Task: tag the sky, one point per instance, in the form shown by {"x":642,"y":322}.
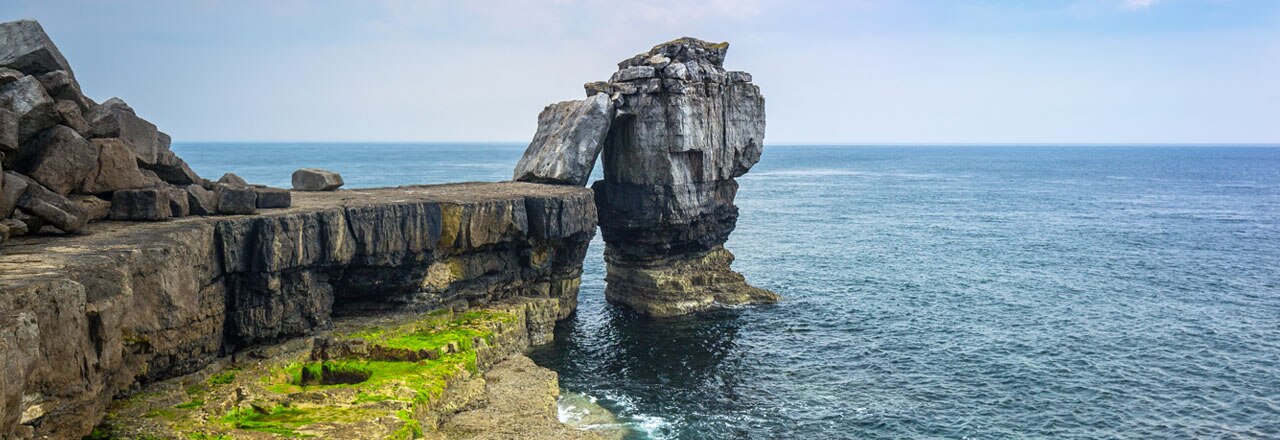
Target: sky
{"x":854,"y":71}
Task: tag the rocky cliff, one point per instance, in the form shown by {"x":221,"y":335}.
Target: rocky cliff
{"x":674,"y":128}
{"x":87,"y":318}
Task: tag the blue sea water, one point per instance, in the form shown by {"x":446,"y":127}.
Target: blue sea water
{"x":931,"y":292}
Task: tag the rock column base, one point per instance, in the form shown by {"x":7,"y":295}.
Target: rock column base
{"x":682,"y":285}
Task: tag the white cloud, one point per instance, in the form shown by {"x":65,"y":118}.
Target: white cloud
{"x":1134,"y":5}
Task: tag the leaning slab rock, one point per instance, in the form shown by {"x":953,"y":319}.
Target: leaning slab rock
{"x":675,"y":129}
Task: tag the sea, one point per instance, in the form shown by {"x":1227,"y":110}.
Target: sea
{"x":949,"y":292}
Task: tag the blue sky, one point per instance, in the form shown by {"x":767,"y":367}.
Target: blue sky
{"x":857,"y":71}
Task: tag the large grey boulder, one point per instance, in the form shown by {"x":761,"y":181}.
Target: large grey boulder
{"x":232,"y":179}
{"x":569,"y":138}
{"x":148,"y":204}
{"x":316,"y":179}
{"x":50,"y":206}
{"x":35,"y":108}
{"x":171,"y":168}
{"x":94,"y":208}
{"x":117,"y":169}
{"x":201,"y":201}
{"x":24,"y":46}
{"x":59,"y":159}
{"x":115,"y":119}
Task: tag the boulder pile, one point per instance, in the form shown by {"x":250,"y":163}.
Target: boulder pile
{"x":675,"y":130}
{"x":68,"y":160}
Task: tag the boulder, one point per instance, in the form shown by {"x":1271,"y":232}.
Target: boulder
{"x":148,"y":204}
{"x":69,"y":115}
{"x":569,"y":138}
{"x":24,"y":46}
{"x":269,"y":198}
{"x":316,"y":179}
{"x":61,"y":85}
{"x":117,"y":169}
{"x":50,"y":206}
{"x":201,"y":201}
{"x":28,"y":100}
{"x":59,"y":159}
{"x":115,"y":119}
{"x":230,"y":179}
{"x":8,"y":134}
{"x":32,"y":223}
{"x":172,"y":169}
{"x":13,"y":188}
{"x":94,"y":208}
{"x":233,"y":200}
{"x":179,"y":203}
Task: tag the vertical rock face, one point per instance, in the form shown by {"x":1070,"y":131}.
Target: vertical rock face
{"x":685,"y":129}
{"x":680,"y":129}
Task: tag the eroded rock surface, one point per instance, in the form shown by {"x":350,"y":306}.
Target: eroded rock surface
{"x":682,"y":129}
{"x":86,"y":318}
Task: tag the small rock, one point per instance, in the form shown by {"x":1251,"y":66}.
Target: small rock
{"x":34,"y":108}
{"x":172,"y":169}
{"x":269,"y":198}
{"x":316,"y":179}
{"x":231,"y":179}
{"x":201,"y":201}
{"x":148,"y":204}
{"x":634,"y":73}
{"x":32,"y":223}
{"x":25,"y":46}
{"x":61,"y":85}
{"x":94,"y":208}
{"x":236,"y":200}
{"x":16,"y":227}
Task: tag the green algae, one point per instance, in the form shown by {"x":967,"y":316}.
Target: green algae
{"x":222,"y":378}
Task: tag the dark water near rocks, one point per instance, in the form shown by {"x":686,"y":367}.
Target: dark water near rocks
{"x":933,"y":292}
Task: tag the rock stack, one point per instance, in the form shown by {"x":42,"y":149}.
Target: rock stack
{"x":68,"y":160}
{"x":675,"y":129}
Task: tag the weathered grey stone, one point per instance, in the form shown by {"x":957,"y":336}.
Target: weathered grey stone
{"x":316,"y":179}
{"x":231,"y":179}
{"x":28,"y":100}
{"x":269,"y":198}
{"x":59,"y":159}
{"x":115,"y":119}
{"x":148,"y":204}
{"x":24,"y":46}
{"x":201,"y":201}
{"x":634,"y":73}
{"x":172,"y":169}
{"x":94,"y":208}
{"x":13,"y":188}
{"x":61,"y":85}
{"x":33,"y":224}
{"x":569,"y":138}
{"x":233,"y":200}
{"x":8,"y":75}
{"x":8,"y":134}
{"x":69,"y":115}
{"x":179,"y":202}
{"x":117,"y":169}
{"x":50,"y":206}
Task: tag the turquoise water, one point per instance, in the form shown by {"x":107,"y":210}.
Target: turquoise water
{"x":932,"y":292}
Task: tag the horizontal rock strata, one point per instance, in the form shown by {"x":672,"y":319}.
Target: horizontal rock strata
{"x":88,"y":318}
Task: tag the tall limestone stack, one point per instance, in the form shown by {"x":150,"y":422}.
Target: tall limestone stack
{"x":682,"y":129}
{"x":61,"y":152}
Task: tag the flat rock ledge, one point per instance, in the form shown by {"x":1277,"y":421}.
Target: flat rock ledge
{"x":87,"y":319}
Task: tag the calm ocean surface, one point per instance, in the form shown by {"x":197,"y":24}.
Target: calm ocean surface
{"x":931,"y":292}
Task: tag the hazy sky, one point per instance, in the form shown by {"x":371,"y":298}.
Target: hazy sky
{"x":865,"y":71}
